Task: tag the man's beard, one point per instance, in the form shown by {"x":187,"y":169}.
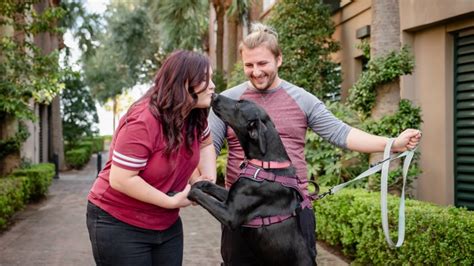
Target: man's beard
{"x":271,"y":79}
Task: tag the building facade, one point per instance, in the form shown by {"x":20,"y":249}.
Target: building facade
{"x":441,"y":36}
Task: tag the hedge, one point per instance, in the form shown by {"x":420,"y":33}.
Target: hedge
{"x":11,"y":198}
{"x":79,"y":153}
{"x":434,"y":235}
{"x":23,"y":186}
{"x":77,"y":158}
{"x":36,"y":180}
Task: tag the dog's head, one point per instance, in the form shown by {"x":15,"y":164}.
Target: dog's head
{"x":251,"y":123}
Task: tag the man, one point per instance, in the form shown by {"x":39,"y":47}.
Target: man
{"x":293,"y":110}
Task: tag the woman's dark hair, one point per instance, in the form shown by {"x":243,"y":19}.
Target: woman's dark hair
{"x":172,"y":97}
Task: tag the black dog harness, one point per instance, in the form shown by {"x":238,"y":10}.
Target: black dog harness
{"x":258,"y":173}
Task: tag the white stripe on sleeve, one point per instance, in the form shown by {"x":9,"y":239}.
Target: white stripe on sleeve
{"x":134,"y":165}
{"x":128,"y":158}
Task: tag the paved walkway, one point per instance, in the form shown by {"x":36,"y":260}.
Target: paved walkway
{"x":53,"y":231}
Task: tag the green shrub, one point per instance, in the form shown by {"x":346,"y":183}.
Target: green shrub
{"x":35,"y":180}
{"x":77,"y":158}
{"x":97,"y":143}
{"x":85,"y":144}
{"x":434,"y":235}
{"x":22,"y":186}
{"x":380,"y":70}
{"x":11,"y":199}
{"x":304,"y":30}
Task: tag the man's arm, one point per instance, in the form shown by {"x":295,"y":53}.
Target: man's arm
{"x":358,"y":140}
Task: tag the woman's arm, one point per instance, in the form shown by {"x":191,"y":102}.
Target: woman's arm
{"x":358,"y":140}
{"x":206,"y":169}
{"x":129,"y":183}
{"x":207,"y":163}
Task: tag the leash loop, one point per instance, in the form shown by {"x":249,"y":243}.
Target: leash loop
{"x":384,"y":166}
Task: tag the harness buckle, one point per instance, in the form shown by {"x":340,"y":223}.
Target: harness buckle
{"x":243,"y":164}
{"x":324,"y":195}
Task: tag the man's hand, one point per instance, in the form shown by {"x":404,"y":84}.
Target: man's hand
{"x":407,"y":140}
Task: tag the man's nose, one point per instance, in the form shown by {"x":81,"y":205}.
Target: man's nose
{"x":257,"y":72}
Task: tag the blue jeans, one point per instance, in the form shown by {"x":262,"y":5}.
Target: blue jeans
{"x":117,"y":243}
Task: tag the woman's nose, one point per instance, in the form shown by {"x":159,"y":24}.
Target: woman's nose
{"x":212,"y":86}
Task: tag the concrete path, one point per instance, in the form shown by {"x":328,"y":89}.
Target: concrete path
{"x":53,"y":231}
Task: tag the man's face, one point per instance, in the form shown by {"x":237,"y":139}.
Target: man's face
{"x":261,"y":67}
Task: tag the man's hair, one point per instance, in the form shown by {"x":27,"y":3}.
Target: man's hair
{"x":261,"y":34}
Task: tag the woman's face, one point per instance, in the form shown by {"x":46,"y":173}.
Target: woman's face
{"x":204,"y":94}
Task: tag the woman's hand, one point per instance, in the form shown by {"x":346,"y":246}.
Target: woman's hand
{"x":180,"y":199}
{"x":201,"y":178}
{"x":407,"y":140}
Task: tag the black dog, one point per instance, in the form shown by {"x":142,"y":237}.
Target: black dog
{"x":263,"y":203}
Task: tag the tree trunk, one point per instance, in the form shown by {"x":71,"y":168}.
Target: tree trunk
{"x":385,"y":38}
{"x":219,"y":7}
{"x":56,"y":131}
{"x":232,"y":32}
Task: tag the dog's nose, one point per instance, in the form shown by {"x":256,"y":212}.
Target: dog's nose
{"x":214,"y":97}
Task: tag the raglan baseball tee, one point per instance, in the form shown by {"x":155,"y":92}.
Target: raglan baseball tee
{"x":137,"y":145}
{"x":293,"y":110}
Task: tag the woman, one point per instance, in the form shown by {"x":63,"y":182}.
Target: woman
{"x":159,"y":144}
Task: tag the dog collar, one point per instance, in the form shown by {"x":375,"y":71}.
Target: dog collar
{"x":269,"y":164}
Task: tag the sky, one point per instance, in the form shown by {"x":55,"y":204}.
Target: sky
{"x":105,"y":117}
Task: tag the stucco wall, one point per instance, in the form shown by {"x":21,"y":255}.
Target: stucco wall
{"x":432,"y":91}
{"x":422,"y":13}
{"x":352,"y":17}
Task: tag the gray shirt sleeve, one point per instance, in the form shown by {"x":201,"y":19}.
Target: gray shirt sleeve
{"x":325,"y":124}
{"x":320,"y":119}
{"x":218,"y":131}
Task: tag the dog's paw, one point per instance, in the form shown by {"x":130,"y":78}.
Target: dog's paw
{"x":192,"y":195}
{"x":201,"y":185}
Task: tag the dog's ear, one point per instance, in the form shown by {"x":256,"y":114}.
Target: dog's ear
{"x":256,"y":131}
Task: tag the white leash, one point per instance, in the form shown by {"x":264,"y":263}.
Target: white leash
{"x":384,"y":166}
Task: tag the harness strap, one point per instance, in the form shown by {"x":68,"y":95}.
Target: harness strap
{"x":265,"y":221}
{"x":270,"y":164}
{"x":257,"y":174}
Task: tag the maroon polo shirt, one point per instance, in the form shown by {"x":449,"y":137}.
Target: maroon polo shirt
{"x":137,"y":145}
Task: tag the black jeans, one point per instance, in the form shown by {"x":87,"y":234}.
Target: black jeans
{"x":235,"y":251}
{"x":118,"y":243}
